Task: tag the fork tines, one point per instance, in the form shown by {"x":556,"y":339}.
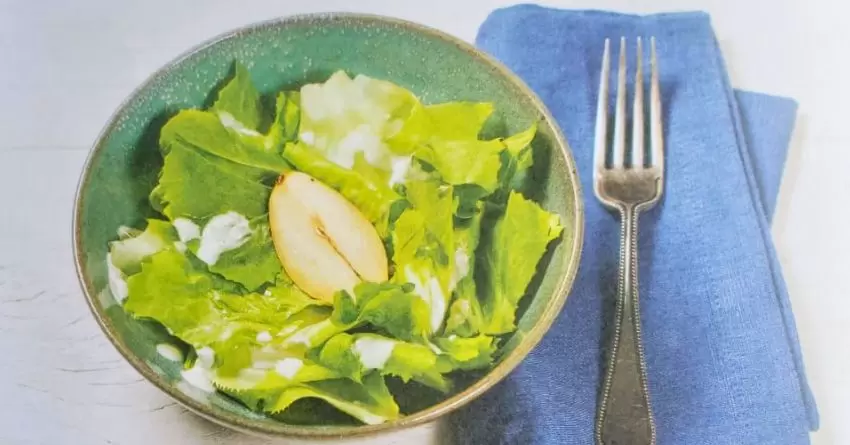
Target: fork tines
{"x":618,"y":148}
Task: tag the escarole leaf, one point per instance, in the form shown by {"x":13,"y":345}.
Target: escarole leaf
{"x":465,"y":161}
{"x":240,"y":99}
{"x":269,"y":375}
{"x":133,"y":246}
{"x":464,"y":317}
{"x":446,"y":137}
{"x":356,"y":355}
{"x":217,"y":160}
{"x":284,"y":128}
{"x":343,"y":117}
{"x":369,"y":402}
{"x":289,"y":297}
{"x":197,"y":185}
{"x":254,"y":262}
{"x":519,"y":240}
{"x":466,"y":353}
{"x":205,"y":310}
{"x":423,"y":247}
{"x":517,"y":159}
{"x":225,"y":137}
{"x":451,"y":121}
{"x":126,"y":254}
{"x":390,"y":307}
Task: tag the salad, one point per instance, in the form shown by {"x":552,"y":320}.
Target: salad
{"x":321,"y":242}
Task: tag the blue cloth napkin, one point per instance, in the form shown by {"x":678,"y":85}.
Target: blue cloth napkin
{"x":722,"y":351}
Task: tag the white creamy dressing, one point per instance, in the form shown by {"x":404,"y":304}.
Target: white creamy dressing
{"x":461,"y":269}
{"x":432,"y":293}
{"x":305,"y":335}
{"x":400,"y":169}
{"x":169,"y":352}
{"x":262,"y":364}
{"x":264,"y":337}
{"x":250,"y":376}
{"x":206,"y":357}
{"x":364,"y":139}
{"x":125,"y":232}
{"x":366,"y":123}
{"x":308,"y":138}
{"x":199,"y":378}
{"x":438,"y":303}
{"x":200,"y":374}
{"x":230,"y":122}
{"x":117,"y":282}
{"x":227,"y":333}
{"x":288,"y":330}
{"x":434,"y":347}
{"x":223,"y":232}
{"x":186,"y":230}
{"x":288,"y":367}
{"x":465,"y":308}
{"x":373,"y":352}
{"x":371,"y":419}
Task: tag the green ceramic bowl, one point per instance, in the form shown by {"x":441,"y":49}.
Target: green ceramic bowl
{"x":285,"y":53}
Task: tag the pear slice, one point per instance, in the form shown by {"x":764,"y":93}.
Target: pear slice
{"x":324,"y":243}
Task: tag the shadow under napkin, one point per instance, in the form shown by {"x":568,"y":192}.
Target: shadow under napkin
{"x":721,"y":346}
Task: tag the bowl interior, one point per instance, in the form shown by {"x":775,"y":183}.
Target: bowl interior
{"x":285,"y":54}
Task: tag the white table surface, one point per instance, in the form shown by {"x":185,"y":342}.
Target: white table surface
{"x":65,"y":66}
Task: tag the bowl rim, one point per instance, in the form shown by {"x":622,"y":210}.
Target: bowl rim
{"x":246,"y":425}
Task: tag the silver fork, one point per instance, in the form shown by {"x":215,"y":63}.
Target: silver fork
{"x":627,"y":186}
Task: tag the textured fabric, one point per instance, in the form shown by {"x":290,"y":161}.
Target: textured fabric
{"x":721,"y":346}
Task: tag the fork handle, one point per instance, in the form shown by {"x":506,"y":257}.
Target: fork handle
{"x":625,"y":414}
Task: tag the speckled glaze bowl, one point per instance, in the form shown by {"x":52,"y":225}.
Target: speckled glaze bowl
{"x":285,"y":53}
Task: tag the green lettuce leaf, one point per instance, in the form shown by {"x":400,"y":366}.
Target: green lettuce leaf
{"x":240,"y":99}
{"x":466,"y":353}
{"x":207,"y":311}
{"x":519,"y":240}
{"x":519,"y":146}
{"x":356,"y":355}
{"x":312,"y":335}
{"x":386,"y":306}
{"x":517,"y":159}
{"x":451,"y":121}
{"x":423,"y":246}
{"x":375,"y":200}
{"x":343,"y":116}
{"x":132,"y":247}
{"x":289,"y":297}
{"x":284,"y":128}
{"x":446,"y":137}
{"x":464,"y":318}
{"x":369,"y":401}
{"x":255,"y":262}
{"x":285,"y":370}
{"x":197,"y":185}
{"x":223,"y":136}
{"x":465,"y":161}
{"x":217,"y":160}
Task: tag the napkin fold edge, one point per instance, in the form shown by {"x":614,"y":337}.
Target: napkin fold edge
{"x":763,"y":217}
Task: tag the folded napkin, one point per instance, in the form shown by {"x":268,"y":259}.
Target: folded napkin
{"x":721,"y":347}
